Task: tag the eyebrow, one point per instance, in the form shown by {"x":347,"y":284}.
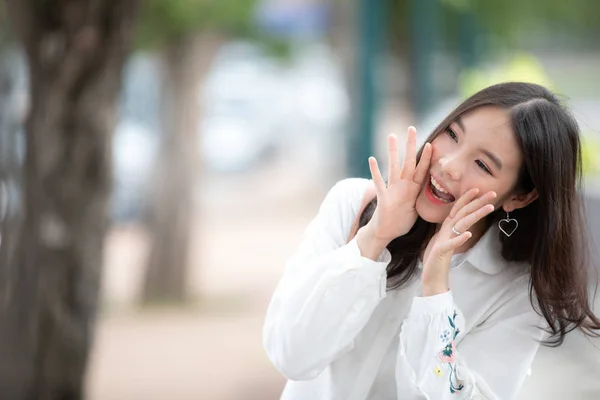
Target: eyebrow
{"x":488,"y":153}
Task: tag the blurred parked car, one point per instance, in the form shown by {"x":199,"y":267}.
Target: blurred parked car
{"x":241,"y":108}
{"x":254,"y":105}
{"x":135,"y":139}
{"x":134,"y":152}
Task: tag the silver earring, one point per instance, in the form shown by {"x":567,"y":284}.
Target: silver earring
{"x":508,"y":225}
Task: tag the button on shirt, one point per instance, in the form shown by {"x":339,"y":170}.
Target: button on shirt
{"x":336,"y":333}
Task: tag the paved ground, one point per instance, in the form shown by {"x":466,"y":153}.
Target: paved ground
{"x":213,"y":350}
{"x":247,"y":228}
{"x":182,"y":355}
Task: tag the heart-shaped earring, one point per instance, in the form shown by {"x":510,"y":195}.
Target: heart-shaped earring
{"x":508,"y":225}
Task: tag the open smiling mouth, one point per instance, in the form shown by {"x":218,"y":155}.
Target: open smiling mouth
{"x":439,"y":192}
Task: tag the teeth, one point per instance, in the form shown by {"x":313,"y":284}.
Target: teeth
{"x":437,"y":185}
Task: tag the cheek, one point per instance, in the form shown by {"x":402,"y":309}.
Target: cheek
{"x":438,"y":150}
{"x":484,"y":185}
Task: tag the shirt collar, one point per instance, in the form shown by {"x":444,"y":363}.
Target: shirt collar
{"x":486,"y":255}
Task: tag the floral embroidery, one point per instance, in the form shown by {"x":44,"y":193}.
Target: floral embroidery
{"x":447,"y":354}
{"x":445,"y":337}
{"x":438,"y":371}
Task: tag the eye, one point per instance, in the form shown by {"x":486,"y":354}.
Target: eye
{"x":452,"y":134}
{"x":483,"y":166}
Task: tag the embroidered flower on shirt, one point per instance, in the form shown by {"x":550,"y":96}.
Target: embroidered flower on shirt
{"x":447,"y":354}
{"x":438,"y":371}
{"x":445,"y":337}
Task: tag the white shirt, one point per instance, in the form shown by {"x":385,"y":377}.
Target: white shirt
{"x":335,"y":332}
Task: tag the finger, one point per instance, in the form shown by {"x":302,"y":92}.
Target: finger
{"x":475,"y":205}
{"x":410,"y":156}
{"x":454,"y":243}
{"x":468,"y":221}
{"x":376,"y":176}
{"x":393,"y":160}
{"x":463,"y":200}
{"x":423,"y":167}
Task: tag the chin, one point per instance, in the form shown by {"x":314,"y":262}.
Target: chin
{"x":431,"y":213}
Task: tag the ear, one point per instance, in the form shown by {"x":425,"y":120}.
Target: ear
{"x":517,"y":201}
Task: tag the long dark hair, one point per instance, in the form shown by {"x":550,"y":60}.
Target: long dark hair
{"x":552,"y":236}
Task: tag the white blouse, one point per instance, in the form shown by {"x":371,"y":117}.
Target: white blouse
{"x":335,"y":332}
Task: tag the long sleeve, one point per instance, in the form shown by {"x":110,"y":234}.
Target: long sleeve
{"x":491,"y":362}
{"x":328,"y":290}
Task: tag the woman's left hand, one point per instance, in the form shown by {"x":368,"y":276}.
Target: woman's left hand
{"x":466,"y":212}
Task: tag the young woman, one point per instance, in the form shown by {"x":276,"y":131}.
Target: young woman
{"x":442,"y":282}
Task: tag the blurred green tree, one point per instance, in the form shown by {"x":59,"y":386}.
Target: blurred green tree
{"x":75,"y":51}
{"x":186,"y":34}
{"x":479,"y":29}
{"x":462,"y":32}
{"x":510,"y":20}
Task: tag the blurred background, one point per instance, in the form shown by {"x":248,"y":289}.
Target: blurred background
{"x":234,"y":119}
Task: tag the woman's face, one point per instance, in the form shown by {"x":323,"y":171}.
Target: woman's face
{"x":479,"y":150}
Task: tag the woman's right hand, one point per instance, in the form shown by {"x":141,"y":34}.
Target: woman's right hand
{"x":395,"y":213}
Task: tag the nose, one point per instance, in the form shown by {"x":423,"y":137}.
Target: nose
{"x":451,"y":166}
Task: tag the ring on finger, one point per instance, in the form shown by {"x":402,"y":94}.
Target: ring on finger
{"x":457,"y":233}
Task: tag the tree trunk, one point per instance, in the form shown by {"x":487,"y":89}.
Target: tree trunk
{"x":172,"y":211}
{"x":75,"y":52}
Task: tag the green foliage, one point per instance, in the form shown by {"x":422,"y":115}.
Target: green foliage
{"x":520,"y":67}
{"x":506,"y":20}
{"x":510,"y":18}
{"x":166,"y":20}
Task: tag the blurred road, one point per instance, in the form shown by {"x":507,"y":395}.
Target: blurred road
{"x":185,"y":355}
{"x":246,"y":229}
